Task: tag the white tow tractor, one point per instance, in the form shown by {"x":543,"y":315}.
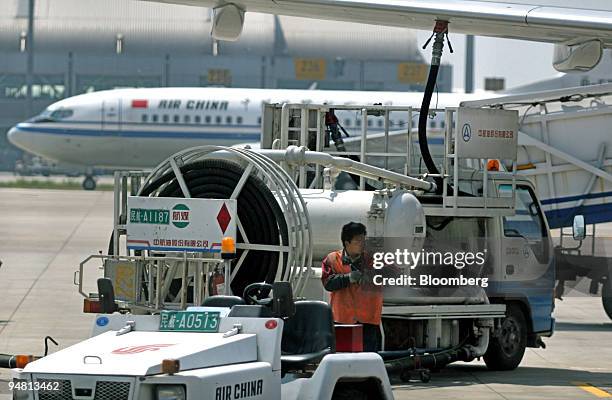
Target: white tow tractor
{"x":212,"y":352}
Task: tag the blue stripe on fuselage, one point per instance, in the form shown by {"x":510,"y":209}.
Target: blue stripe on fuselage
{"x":141,"y":134}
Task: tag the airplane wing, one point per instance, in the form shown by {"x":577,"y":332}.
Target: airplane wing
{"x":537,"y":20}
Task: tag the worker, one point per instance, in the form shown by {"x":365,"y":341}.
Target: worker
{"x":348,"y":275}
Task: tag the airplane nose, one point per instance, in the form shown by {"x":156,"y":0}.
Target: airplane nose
{"x":16,"y":137}
{"x":12,"y":135}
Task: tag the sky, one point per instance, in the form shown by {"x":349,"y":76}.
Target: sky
{"x":519,"y":62}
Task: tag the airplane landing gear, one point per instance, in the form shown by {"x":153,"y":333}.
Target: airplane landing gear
{"x":89,"y":183}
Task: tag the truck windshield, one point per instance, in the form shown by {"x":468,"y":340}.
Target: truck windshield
{"x":527,"y":222}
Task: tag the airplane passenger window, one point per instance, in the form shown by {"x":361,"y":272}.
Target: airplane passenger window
{"x":347,"y":122}
{"x":432,"y":124}
{"x":358,"y":122}
{"x":144,"y":118}
{"x":187,"y":119}
{"x":258,"y":120}
{"x":218,"y":120}
{"x":198,"y":119}
{"x":228,"y":120}
{"x":208,"y":119}
{"x":380,"y":123}
{"x":177,"y":119}
{"x":401,"y":122}
{"x":239,"y":120}
{"x":154,"y":118}
{"x":442,"y":124}
{"x":165,"y":118}
{"x":369,"y":123}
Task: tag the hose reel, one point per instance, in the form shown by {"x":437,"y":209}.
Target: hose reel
{"x":273,"y":239}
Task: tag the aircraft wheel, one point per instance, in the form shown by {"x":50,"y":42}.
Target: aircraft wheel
{"x":606,"y":297}
{"x":89,"y":183}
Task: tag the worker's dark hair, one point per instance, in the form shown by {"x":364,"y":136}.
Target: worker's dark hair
{"x":350,"y":230}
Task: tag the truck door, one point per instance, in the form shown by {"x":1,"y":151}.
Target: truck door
{"x":111,"y":115}
{"x":527,"y":269}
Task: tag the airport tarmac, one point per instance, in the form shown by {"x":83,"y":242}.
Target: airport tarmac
{"x":44,"y":234}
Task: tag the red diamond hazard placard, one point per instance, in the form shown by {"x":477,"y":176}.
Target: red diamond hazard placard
{"x":224,"y":218}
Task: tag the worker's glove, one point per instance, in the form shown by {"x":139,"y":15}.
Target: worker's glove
{"x":355,"y":276}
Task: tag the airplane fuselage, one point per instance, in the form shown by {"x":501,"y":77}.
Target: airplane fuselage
{"x":138,"y":128}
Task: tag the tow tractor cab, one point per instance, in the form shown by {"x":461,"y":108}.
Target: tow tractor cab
{"x":212,"y":286}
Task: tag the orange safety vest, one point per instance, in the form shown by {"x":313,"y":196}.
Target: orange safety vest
{"x":358,"y":303}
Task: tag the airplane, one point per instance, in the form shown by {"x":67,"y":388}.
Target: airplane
{"x":139,"y":128}
{"x":579,"y":32}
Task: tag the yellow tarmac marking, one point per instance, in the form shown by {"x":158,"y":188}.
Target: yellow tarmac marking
{"x":592,"y":389}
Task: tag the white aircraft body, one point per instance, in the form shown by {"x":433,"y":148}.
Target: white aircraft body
{"x":139,"y":128}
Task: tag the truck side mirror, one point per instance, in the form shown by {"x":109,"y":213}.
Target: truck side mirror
{"x":578,"y":228}
{"x":282,"y":300}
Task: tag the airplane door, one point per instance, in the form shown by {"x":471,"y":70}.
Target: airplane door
{"x":111,"y":115}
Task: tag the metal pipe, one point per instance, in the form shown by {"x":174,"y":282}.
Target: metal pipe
{"x":299,"y":155}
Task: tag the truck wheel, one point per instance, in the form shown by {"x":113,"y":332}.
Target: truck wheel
{"x":606,"y":297}
{"x":506,"y":350}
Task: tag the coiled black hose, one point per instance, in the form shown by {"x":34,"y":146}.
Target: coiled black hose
{"x":258,"y":210}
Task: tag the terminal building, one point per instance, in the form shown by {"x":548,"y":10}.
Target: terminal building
{"x":80,"y":46}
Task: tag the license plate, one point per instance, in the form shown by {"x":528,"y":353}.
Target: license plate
{"x":189,"y":321}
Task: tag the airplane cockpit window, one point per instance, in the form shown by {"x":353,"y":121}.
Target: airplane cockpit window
{"x":53,"y":116}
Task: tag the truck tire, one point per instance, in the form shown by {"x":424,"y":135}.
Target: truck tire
{"x":506,"y":350}
{"x":606,"y":297}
